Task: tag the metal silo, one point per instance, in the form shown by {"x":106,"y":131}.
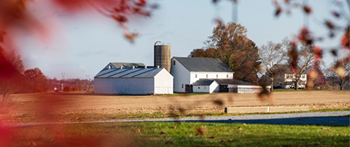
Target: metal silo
{"x":162,"y":56}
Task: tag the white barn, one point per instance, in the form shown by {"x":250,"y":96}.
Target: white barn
{"x":133,"y":81}
{"x":187,"y":71}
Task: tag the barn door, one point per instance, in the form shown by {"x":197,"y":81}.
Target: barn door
{"x":188,"y":88}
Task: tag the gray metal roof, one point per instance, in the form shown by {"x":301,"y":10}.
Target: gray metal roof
{"x":203,"y":64}
{"x":128,"y":73}
{"x":126,"y":65}
{"x":203,"y":83}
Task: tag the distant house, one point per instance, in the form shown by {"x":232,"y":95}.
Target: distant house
{"x":187,"y":71}
{"x":289,"y":81}
{"x":284,"y":78}
{"x":133,"y":81}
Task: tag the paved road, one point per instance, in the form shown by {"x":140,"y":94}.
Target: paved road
{"x":313,"y":118}
{"x":321,"y":118}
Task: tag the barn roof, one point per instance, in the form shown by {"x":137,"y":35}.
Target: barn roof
{"x":203,"y":64}
{"x":126,"y":65}
{"x":203,"y":83}
{"x":128,"y":73}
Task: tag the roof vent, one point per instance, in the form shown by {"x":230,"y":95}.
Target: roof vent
{"x":121,"y":67}
{"x":133,"y":67}
{"x":158,"y":66}
{"x":145,"y":66}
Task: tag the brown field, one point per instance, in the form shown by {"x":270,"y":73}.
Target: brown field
{"x":109,"y":104}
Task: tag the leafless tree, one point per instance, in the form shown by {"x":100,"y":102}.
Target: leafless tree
{"x":306,"y":58}
{"x":271,"y":56}
{"x":340,"y":72}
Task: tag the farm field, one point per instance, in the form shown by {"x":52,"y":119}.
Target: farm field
{"x":115,"y":104}
{"x":168,"y":133}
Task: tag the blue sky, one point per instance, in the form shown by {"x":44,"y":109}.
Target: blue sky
{"x":84,"y":44}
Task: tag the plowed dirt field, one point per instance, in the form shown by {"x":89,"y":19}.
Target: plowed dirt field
{"x":89,"y":103}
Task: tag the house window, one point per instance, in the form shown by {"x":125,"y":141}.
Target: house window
{"x":199,"y":87}
{"x":303,"y":76}
{"x":109,"y":67}
{"x":207,"y":75}
{"x":204,"y":87}
{"x":195,"y":75}
{"x":182,"y":85}
{"x":174,"y":62}
{"x":217,"y":76}
{"x":226,"y":76}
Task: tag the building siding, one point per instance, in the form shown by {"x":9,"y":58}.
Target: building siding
{"x":181,"y":76}
{"x":124,"y":85}
{"x":163,"y":83}
{"x":195,"y":76}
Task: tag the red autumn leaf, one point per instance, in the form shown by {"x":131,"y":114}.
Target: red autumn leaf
{"x":129,"y":36}
{"x":120,"y":18}
{"x":218,"y":21}
{"x":182,"y":110}
{"x":305,"y":36}
{"x":218,"y":102}
{"x":335,"y":14}
{"x":142,"y":2}
{"x":307,"y":9}
{"x":318,"y":53}
{"x":345,"y":42}
{"x":201,"y":131}
{"x":330,"y":25}
{"x":278,"y":11}
{"x":334,"y":52}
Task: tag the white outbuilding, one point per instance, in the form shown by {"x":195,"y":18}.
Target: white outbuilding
{"x":133,"y":81}
{"x":205,"y":86}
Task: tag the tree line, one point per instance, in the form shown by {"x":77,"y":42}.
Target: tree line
{"x":269,"y":62}
{"x":33,"y":80}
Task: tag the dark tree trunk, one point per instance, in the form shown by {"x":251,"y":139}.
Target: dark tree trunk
{"x":341,"y":86}
{"x":271,"y":79}
{"x":296,"y":85}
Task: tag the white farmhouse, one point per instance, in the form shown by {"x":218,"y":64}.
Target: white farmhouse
{"x":187,"y":71}
{"x":133,"y":81}
{"x":289,"y":81}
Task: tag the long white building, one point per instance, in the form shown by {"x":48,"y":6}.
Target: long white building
{"x":133,"y":81}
